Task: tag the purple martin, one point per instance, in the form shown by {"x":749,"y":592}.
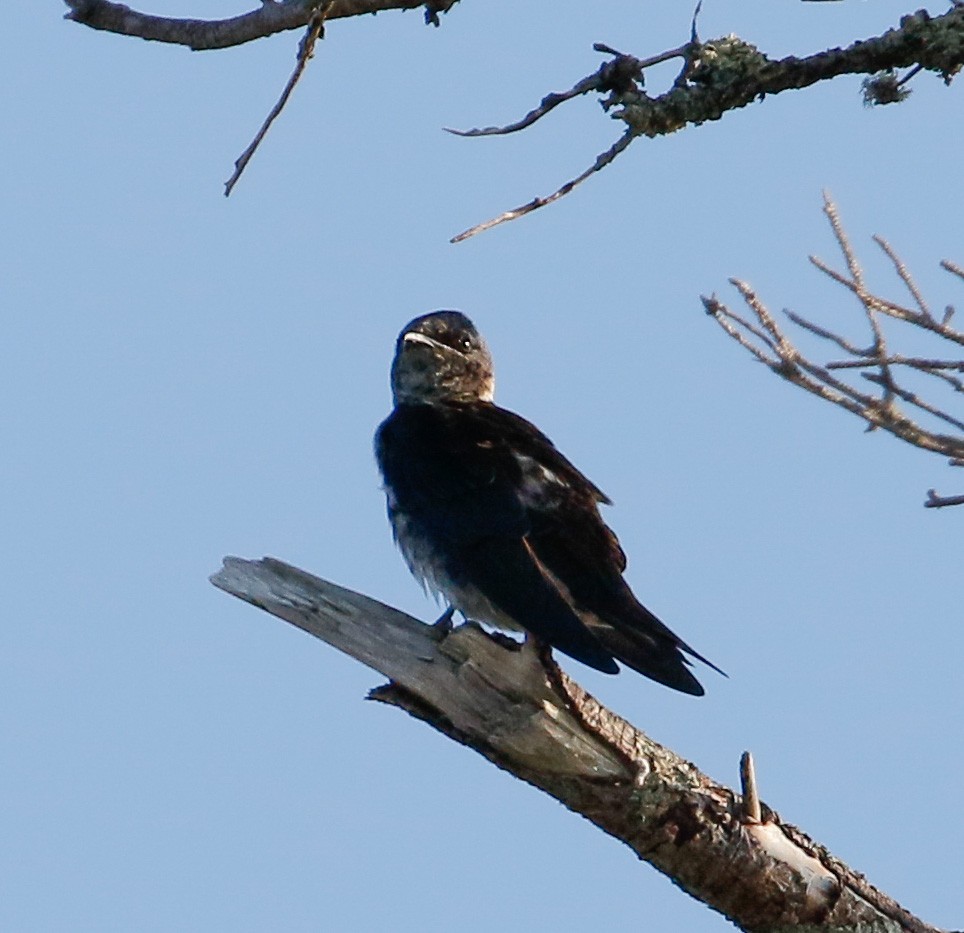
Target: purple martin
{"x":491,"y":516}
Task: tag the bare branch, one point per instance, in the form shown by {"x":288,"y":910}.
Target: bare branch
{"x":602,"y":160}
{"x":873,"y":304}
{"x":761,"y":873}
{"x":913,"y":399}
{"x":717,"y":76}
{"x":768,"y":344}
{"x":894,"y":310}
{"x":916,"y":362}
{"x":927,"y":367}
{"x":905,"y":276}
{"x":879,"y":351}
{"x":549,"y":102}
{"x":619,"y":75}
{"x":724,"y":316}
{"x":841,"y":342}
{"x":728,"y":73}
{"x":843,"y":241}
{"x":271,"y":17}
{"x":306,"y":50}
{"x":934,"y":501}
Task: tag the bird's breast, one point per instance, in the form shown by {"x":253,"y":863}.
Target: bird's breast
{"x":420,"y":553}
{"x":432,"y":570}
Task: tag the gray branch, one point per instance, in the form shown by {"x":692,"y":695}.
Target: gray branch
{"x":198,"y":34}
{"x":716,"y":76}
{"x":729,"y":73}
{"x":527,"y":717}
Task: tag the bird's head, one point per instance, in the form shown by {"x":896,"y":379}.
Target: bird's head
{"x":441,"y":357}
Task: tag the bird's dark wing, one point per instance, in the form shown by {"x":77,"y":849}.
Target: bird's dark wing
{"x":575,"y":552}
{"x":568,"y":537}
{"x":455,"y":472}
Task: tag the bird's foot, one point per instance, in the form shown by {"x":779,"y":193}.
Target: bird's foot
{"x":542,"y":654}
{"x":443,"y":626}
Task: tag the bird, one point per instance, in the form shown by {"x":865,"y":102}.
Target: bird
{"x":492,"y":518}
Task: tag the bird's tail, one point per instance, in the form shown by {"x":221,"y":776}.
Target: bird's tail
{"x":642,"y":642}
{"x":663,"y":663}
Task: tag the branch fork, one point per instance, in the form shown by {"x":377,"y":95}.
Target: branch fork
{"x":765,"y":340}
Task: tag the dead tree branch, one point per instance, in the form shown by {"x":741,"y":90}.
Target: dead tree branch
{"x":736,"y":856}
{"x":729,"y":73}
{"x":306,"y":49}
{"x":716,"y":77}
{"x":273,"y":16}
{"x":766,"y":342}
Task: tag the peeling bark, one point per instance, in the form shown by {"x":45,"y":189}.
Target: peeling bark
{"x":527,"y":717}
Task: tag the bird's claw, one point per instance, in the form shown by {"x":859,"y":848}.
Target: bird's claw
{"x":443,"y":626}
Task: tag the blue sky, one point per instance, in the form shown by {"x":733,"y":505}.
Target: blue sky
{"x":188,"y":377}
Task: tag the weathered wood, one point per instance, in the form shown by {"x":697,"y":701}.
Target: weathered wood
{"x":530,"y":719}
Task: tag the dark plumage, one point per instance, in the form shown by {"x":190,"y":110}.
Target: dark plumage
{"x":491,"y":516}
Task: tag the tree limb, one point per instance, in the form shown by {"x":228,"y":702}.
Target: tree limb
{"x":766,"y":341}
{"x":197,"y":34}
{"x":717,"y":76}
{"x":729,"y":73}
{"x":531,"y":720}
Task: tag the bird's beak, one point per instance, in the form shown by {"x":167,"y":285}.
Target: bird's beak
{"x":414,"y":337}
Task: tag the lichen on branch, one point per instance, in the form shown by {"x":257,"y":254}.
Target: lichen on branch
{"x":729,"y":73}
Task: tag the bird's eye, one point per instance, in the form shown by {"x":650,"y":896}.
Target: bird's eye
{"x":466,"y":343}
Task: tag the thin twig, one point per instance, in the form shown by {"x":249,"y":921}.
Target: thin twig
{"x":841,"y":342}
{"x":913,"y":399}
{"x":860,"y":289}
{"x":905,"y":276}
{"x":723,"y":315}
{"x":602,"y":160}
{"x":714,"y":307}
{"x":694,"y":36}
{"x":549,"y":102}
{"x":306,"y":50}
{"x":911,"y":361}
{"x":787,"y":352}
{"x":878,"y":412}
{"x":891,"y":308}
{"x":620,"y":71}
{"x":926,"y":367}
{"x":856,"y":273}
{"x":916,"y":70}
{"x":868,"y":407}
{"x":894,"y":310}
{"x":838,"y":277}
{"x":956,"y":384}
